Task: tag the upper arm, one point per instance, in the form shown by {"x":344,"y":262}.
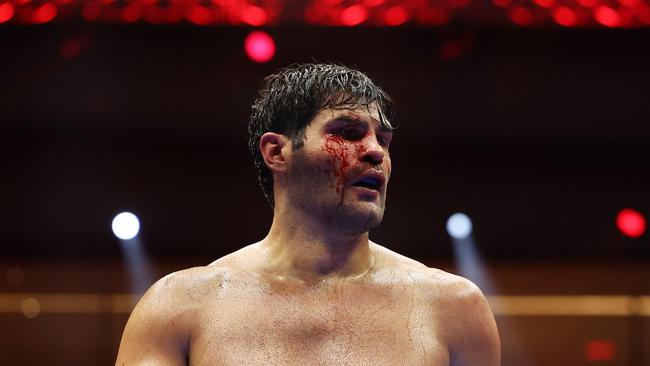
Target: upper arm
{"x":474,"y":338}
{"x":156,"y":332}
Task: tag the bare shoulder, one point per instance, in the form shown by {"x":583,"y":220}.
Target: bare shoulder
{"x":462,"y":312}
{"x":160,"y":326}
{"x":185,"y":287}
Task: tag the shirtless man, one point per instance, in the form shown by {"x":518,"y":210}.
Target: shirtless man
{"x":316,"y":290}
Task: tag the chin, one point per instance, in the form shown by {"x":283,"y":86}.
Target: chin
{"x":361,"y":217}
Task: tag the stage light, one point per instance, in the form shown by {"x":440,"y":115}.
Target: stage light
{"x":354,"y":15}
{"x":254,"y":15}
{"x":90,"y":12}
{"x":259,"y":46}
{"x":588,"y":3}
{"x":520,"y":15}
{"x":44,"y":13}
{"x":631,"y":222}
{"x":565,"y":16}
{"x":6,"y":12}
{"x":459,"y":226}
{"x":600,"y":350}
{"x":126,"y":226}
{"x":30,"y":307}
{"x":395,"y":16}
{"x":544,"y":3}
{"x":199,"y":15}
{"x":607,"y":16}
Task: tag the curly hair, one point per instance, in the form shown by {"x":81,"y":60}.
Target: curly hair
{"x":290,"y":98}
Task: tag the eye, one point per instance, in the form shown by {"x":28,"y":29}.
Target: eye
{"x":383,"y":140}
{"x":349,"y":133}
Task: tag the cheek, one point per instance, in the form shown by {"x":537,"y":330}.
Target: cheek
{"x":341,"y":155}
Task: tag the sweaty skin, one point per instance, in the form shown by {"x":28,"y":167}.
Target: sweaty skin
{"x":316,"y":290}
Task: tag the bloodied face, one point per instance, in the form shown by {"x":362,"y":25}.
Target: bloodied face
{"x":342,"y":169}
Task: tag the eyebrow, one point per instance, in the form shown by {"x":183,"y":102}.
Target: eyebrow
{"x":357,"y":119}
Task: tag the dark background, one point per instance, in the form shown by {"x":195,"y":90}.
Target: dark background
{"x":540,"y":135}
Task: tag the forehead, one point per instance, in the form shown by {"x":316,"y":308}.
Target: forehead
{"x":369,"y":114}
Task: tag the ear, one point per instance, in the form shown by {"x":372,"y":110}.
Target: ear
{"x":271,"y":147}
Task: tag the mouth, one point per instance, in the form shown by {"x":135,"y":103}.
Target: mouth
{"x":372,"y":181}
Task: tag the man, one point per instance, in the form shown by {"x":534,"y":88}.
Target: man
{"x":316,"y":290}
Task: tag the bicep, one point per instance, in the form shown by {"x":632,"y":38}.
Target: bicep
{"x":153,"y":335}
{"x":476,"y":338}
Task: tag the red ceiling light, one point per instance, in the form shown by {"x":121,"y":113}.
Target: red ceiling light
{"x":644,"y":14}
{"x":520,"y":16}
{"x":6,"y":12}
{"x":353,"y":15}
{"x":545,"y":3}
{"x":90,"y":12}
{"x":502,"y":3}
{"x":600,"y":350}
{"x":631,"y":222}
{"x":44,"y":13}
{"x":607,"y":16}
{"x":395,"y":16}
{"x":254,"y":15}
{"x":565,"y":16}
{"x":199,"y":15}
{"x":259,"y":46}
{"x":588,"y":3}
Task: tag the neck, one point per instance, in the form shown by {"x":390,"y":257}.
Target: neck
{"x":300,"y":247}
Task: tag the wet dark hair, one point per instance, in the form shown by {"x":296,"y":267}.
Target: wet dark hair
{"x":290,"y":98}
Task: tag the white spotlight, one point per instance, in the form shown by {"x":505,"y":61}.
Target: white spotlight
{"x":126,"y":226}
{"x":459,"y":226}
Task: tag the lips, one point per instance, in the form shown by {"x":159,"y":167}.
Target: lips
{"x":372,"y":180}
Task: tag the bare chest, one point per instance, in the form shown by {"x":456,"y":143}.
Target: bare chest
{"x":352,"y":326}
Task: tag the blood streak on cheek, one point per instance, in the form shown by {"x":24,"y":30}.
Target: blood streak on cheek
{"x":341,"y":156}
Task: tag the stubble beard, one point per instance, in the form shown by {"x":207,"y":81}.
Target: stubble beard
{"x":313,"y":191}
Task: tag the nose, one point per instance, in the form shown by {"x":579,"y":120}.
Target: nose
{"x":374,"y":153}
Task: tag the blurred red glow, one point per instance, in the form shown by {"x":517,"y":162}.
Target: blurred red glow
{"x":631,"y":222}
{"x":565,"y":16}
{"x":70,"y":48}
{"x":460,"y":3}
{"x":588,"y":3}
{"x":644,"y":14}
{"x":600,"y":350}
{"x":396,"y":15}
{"x":502,"y":3}
{"x":353,"y":15}
{"x":44,"y":13}
{"x":90,"y":12}
{"x":630,"y":3}
{"x":372,"y":3}
{"x":6,"y":12}
{"x":174,"y":14}
{"x":153,"y":14}
{"x":607,"y":16}
{"x":520,"y":16}
{"x":132,"y":12}
{"x":450,"y":50}
{"x":199,"y":15}
{"x":254,"y":15}
{"x":544,"y":3}
{"x":259,"y":46}
{"x":435,"y":16}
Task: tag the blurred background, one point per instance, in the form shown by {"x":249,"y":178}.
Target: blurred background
{"x":520,"y":160}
